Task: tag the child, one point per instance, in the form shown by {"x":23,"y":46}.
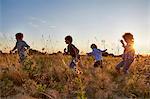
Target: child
{"x":97,"y":53}
{"x":73,"y":51}
{"x":20,"y":46}
{"x":128,"y":54}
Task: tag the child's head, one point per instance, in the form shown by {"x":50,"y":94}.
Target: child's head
{"x":68,"y":39}
{"x":93,"y":46}
{"x":19,"y":36}
{"x":128,"y":37}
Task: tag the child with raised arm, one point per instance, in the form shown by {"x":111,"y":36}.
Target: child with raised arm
{"x":21,"y":46}
{"x":97,"y":53}
{"x":73,"y":51}
{"x":128,"y":54}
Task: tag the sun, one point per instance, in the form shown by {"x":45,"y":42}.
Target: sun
{"x":137,"y":43}
{"x":136,"y":46}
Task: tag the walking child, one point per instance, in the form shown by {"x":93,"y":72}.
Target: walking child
{"x":97,"y":53}
{"x":21,"y":46}
{"x":73,"y":51}
{"x":128,"y":54}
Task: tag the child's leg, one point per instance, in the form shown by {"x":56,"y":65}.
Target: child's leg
{"x":72,"y":64}
{"x":96,"y":64}
{"x":119,"y":66}
{"x":127,"y":64}
{"x":74,"y":61}
{"x":22,"y":57}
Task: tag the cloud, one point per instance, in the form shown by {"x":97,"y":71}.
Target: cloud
{"x":35,"y":22}
{"x":0,"y":33}
{"x":33,"y":18}
{"x":37,"y":19}
{"x":33,"y":25}
{"x":52,"y":26}
{"x":42,"y":21}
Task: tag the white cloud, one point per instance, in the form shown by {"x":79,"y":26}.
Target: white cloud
{"x":37,"y":19}
{"x":35,"y":22}
{"x":42,"y":21}
{"x":33,"y":25}
{"x":33,"y":18}
{"x":52,"y":26}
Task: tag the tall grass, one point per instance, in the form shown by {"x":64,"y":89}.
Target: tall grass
{"x":49,"y":77}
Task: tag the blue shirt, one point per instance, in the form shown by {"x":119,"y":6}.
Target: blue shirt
{"x":97,"y":53}
{"x":20,"y":46}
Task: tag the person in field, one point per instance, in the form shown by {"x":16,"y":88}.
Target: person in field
{"x":97,"y":53}
{"x":21,"y":46}
{"x":73,"y":51}
{"x":128,"y":54}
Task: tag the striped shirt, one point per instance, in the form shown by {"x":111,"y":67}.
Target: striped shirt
{"x":20,"y":46}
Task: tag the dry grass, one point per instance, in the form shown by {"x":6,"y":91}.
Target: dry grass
{"x":48,"y":77}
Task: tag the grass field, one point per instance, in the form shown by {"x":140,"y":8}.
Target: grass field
{"x":49,"y":77}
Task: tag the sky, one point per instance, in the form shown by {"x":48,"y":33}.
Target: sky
{"x":45,"y":23}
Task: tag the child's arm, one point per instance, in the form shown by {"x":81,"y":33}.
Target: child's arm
{"x":65,"y":52}
{"x":104,"y":50}
{"x":122,"y":43}
{"x":14,"y":48}
{"x":89,"y":54}
{"x":26,"y":45}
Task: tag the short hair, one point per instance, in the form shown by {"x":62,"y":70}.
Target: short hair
{"x":69,"y":38}
{"x":128,"y":36}
{"x":93,"y":46}
{"x":19,"y":36}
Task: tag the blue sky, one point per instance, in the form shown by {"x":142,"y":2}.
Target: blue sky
{"x":45,"y":23}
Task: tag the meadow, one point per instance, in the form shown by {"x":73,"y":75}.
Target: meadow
{"x":45,"y":76}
